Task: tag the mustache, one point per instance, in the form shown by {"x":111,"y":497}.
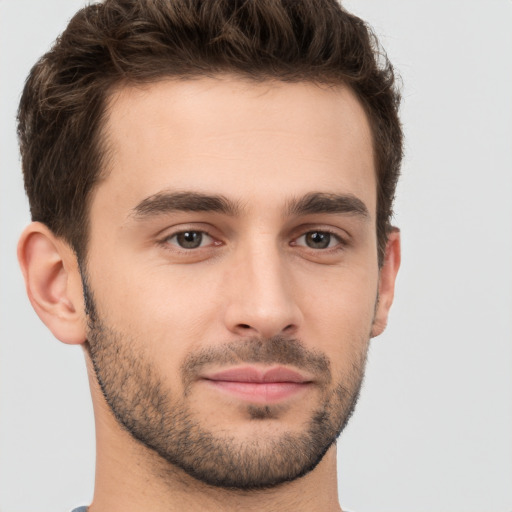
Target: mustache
{"x":276,"y":350}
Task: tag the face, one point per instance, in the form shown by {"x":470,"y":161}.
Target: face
{"x":232,"y":273}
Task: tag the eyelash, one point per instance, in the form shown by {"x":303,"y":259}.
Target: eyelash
{"x":166,"y":241}
{"x":341,"y":243}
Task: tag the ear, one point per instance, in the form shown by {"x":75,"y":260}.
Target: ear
{"x":387,"y":277}
{"x":53,"y":282}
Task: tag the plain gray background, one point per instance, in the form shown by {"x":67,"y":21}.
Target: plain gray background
{"x":433,"y":428}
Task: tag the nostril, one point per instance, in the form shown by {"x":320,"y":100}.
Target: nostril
{"x":244,"y":326}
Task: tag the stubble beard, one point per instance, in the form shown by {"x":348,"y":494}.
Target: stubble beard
{"x":165,"y":424}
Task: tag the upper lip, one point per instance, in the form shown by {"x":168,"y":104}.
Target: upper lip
{"x":258,"y":375}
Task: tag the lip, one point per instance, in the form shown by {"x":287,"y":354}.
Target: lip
{"x":259,"y":385}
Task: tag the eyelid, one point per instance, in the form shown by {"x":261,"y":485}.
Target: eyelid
{"x":342,"y":235}
{"x":339,"y":245}
{"x":163,"y":236}
{"x":167,"y":234}
{"x":203,"y":233}
{"x":181,"y":227}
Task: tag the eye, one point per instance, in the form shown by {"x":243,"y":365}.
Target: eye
{"x":318,"y":240}
{"x":190,"y":239}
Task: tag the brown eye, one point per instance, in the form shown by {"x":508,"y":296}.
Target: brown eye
{"x":189,"y":239}
{"x":318,"y":240}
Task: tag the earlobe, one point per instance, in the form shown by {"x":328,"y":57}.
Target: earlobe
{"x":53,"y":283}
{"x":387,"y":278}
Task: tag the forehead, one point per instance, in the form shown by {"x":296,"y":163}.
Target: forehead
{"x":246,"y":140}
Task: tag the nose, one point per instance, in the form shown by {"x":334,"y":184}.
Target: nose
{"x":262,"y":301}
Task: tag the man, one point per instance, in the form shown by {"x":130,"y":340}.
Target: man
{"x":211,"y":185}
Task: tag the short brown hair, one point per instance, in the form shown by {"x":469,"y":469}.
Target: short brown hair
{"x":135,"y":41}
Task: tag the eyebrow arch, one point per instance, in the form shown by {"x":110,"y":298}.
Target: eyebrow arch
{"x":320,"y":202}
{"x":168,"y":202}
{"x":315,"y":202}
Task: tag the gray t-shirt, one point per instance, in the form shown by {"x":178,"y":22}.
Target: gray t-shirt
{"x":84,"y":509}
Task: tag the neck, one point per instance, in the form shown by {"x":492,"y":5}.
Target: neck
{"x":134,"y":487}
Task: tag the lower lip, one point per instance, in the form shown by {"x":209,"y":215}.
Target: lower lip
{"x":259,"y":392}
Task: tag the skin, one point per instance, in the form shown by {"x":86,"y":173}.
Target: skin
{"x":261,"y":147}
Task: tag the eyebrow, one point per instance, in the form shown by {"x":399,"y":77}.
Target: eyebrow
{"x":312,"y":203}
{"x":168,"y":202}
{"x":320,"y":202}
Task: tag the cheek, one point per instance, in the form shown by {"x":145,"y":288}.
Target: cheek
{"x":169,"y":309}
{"x":339,"y":314}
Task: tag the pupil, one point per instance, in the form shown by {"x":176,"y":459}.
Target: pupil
{"x":318,"y":240}
{"x":190,"y":239}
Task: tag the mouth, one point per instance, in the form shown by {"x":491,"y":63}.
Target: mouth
{"x":259,"y":385}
